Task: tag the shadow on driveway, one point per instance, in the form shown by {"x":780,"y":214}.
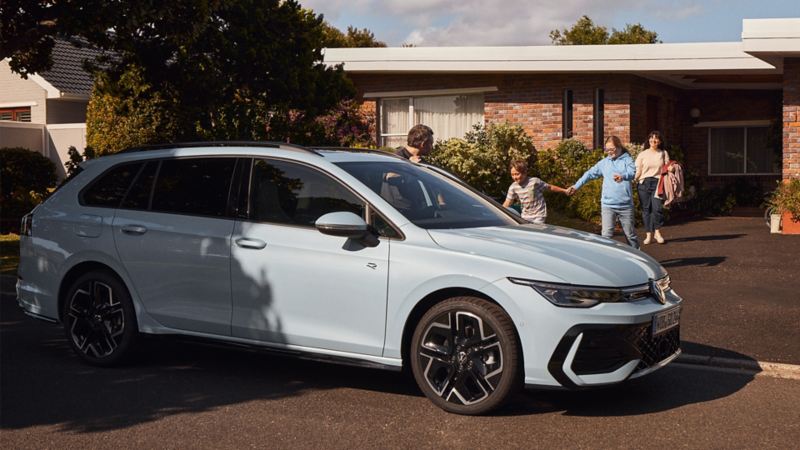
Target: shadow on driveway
{"x":705,"y":261}
{"x":44,"y":384}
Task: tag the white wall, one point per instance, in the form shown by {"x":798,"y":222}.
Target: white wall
{"x":16,"y":91}
{"x":52,"y":141}
{"x":61,"y":137}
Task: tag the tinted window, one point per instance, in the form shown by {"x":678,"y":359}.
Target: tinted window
{"x":193,"y":186}
{"x":111,"y":187}
{"x":426,"y":198}
{"x":297,"y":195}
{"x":139,"y":194}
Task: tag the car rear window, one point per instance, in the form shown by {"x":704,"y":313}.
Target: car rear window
{"x":109,"y":189}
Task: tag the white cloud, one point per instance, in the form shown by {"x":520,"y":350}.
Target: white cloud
{"x":486,"y":22}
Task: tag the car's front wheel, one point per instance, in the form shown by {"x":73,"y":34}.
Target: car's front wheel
{"x":465,"y":355}
{"x":99,"y":318}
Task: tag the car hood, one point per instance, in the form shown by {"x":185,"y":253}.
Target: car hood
{"x":556,"y":254}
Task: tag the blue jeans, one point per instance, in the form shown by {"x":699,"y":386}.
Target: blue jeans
{"x":626,"y":217}
{"x":652,"y":207}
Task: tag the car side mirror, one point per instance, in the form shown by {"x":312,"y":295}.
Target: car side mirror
{"x":344,"y":224}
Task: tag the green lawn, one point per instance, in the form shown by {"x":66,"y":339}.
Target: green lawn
{"x":9,"y":253}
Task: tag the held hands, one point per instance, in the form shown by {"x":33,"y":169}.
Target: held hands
{"x":570,"y":190}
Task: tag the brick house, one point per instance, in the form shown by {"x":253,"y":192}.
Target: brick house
{"x":734,"y":108}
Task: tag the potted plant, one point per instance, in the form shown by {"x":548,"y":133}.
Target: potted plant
{"x":785,"y":199}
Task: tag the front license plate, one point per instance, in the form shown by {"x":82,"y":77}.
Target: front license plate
{"x":666,"y":320}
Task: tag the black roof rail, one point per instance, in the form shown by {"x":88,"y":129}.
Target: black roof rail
{"x":271,"y":144}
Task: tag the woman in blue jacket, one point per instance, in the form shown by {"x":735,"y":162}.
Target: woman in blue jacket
{"x":616,"y":201}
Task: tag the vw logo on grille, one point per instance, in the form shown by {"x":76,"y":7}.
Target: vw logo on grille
{"x":658,"y":293}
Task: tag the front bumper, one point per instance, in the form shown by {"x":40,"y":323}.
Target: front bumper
{"x":596,"y":354}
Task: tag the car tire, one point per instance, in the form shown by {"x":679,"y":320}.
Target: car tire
{"x":99,"y":319}
{"x":465,"y":356}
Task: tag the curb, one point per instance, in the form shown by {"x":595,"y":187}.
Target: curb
{"x":760,"y":368}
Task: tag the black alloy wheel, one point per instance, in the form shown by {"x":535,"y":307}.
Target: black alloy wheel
{"x":99,"y":319}
{"x":465,"y":356}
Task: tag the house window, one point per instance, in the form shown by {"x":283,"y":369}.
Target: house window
{"x":566,"y":115}
{"x":653,"y":106}
{"x":599,"y":118}
{"x":742,"y":150}
{"x":449,"y":116}
{"x":22,"y":114}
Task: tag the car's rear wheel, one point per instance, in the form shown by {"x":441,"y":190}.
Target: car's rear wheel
{"x":465,"y":355}
{"x":99,"y":319}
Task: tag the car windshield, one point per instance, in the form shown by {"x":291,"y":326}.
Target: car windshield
{"x":428,"y":199}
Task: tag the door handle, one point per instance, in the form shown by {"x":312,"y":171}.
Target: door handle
{"x":135,"y":230}
{"x":250,"y":243}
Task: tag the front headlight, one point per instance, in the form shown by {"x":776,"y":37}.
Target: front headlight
{"x":572,"y":296}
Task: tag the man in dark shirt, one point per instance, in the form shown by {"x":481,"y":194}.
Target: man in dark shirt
{"x":419,"y":143}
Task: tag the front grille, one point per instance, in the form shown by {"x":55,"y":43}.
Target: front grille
{"x":606,"y":349}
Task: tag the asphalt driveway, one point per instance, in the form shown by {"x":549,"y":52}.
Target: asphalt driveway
{"x":740,"y":284}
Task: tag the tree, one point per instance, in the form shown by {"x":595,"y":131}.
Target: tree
{"x":585,"y":32}
{"x":633,"y":34}
{"x":126,"y":113}
{"x":244,"y":69}
{"x":354,"y":37}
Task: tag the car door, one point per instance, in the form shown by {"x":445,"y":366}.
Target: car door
{"x":173,"y":238}
{"x":294,"y":285}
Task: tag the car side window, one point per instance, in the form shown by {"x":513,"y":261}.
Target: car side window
{"x":139,"y":194}
{"x":109,"y":189}
{"x":294,"y":194}
{"x":197,"y":186}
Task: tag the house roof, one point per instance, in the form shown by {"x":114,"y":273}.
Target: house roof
{"x":67,"y":79}
{"x":689,"y":65}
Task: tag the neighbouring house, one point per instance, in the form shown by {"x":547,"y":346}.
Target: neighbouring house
{"x":47,"y":112}
{"x":733,"y":107}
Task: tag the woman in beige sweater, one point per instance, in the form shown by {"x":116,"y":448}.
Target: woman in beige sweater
{"x":648,"y":170}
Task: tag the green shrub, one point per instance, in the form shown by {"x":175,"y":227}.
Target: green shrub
{"x":786,"y":198}
{"x":562,"y":166}
{"x":482,"y":157}
{"x":25,"y":179}
{"x":127,"y":113}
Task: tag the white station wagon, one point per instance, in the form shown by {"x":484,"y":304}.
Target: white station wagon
{"x":352,"y":256}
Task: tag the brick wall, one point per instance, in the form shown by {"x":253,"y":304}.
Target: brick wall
{"x":791,"y":118}
{"x":718,"y":106}
{"x":666,"y":121}
{"x":532,"y":101}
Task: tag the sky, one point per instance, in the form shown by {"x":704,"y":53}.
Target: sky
{"x":428,"y":23}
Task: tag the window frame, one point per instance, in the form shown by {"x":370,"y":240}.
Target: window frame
{"x":744,"y":127}
{"x":567,"y":114}
{"x":16,"y":111}
{"x":229,"y":211}
{"x":411,"y":96}
{"x":369,"y":208}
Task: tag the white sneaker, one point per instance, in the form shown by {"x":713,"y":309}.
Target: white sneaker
{"x":659,"y":238}
{"x":648,"y":239}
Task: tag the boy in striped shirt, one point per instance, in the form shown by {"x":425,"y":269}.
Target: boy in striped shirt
{"x":528,"y":191}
